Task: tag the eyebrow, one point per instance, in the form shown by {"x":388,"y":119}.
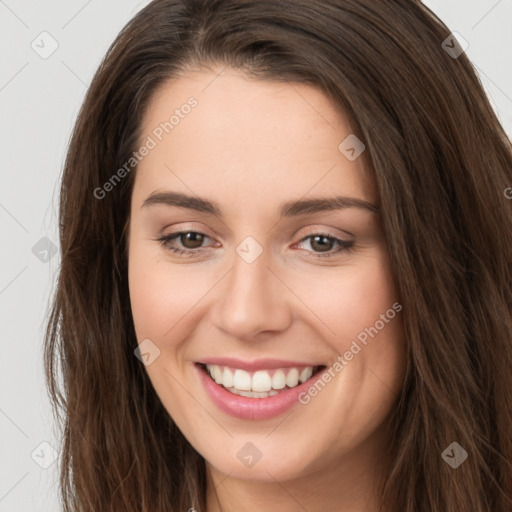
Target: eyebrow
{"x":289,"y":209}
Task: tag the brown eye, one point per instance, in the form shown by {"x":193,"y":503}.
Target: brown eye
{"x":191,"y":239}
{"x":322,"y":245}
{"x":189,"y":242}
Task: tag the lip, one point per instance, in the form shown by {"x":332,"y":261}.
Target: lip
{"x":256,"y":364}
{"x":253,"y":408}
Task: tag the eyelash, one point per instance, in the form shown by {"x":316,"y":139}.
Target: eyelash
{"x":165,"y":242}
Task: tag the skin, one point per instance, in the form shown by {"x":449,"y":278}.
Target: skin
{"x":252,"y":145}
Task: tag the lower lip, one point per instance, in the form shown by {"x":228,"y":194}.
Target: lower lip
{"x":253,"y":408}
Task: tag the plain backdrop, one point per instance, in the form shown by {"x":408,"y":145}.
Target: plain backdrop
{"x":50,"y":51}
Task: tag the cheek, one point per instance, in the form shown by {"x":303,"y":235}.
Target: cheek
{"x":352,"y":299}
{"x":161,"y":293}
{"x":145,"y":292}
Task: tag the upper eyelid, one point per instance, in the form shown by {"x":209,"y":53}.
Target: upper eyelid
{"x":319,"y":232}
{"x":315,"y":231}
{"x":345,"y":246}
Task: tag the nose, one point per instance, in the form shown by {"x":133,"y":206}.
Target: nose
{"x":252,"y":300}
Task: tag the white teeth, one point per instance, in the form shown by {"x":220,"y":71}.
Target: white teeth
{"x":253,"y":394}
{"x":217,"y":374}
{"x":292,"y":379}
{"x":261,"y":381}
{"x":227,"y":378}
{"x":260,"y":384}
{"x":242,"y":380}
{"x":278,"y":380}
{"x":305,"y":374}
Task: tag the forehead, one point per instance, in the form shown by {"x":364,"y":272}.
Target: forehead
{"x":244,"y":139}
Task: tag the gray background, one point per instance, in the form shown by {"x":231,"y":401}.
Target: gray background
{"x":39,"y":97}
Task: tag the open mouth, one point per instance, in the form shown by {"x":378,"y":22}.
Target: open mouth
{"x":261,"y":383}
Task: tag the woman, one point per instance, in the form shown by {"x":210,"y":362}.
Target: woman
{"x":286,"y":267}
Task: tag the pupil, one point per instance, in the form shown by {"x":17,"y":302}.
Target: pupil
{"x":322,"y":247}
{"x":194,"y":237}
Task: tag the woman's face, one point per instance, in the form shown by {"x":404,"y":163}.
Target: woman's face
{"x":284,"y":270}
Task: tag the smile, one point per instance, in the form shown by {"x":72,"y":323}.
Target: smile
{"x":258,"y":393}
{"x":262,"y":383}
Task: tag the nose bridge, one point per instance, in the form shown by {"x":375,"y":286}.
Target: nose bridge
{"x":252,"y":299}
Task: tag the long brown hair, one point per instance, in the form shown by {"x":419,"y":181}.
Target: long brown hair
{"x":441,"y":162}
